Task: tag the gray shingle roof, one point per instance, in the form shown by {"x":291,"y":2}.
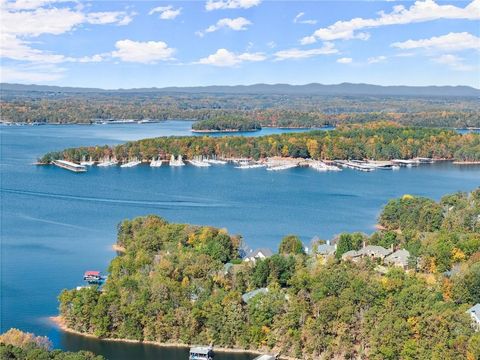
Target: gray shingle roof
{"x":265,"y":251}
{"x":399,"y":258}
{"x":474,"y":311}
{"x":326,"y":249}
{"x":374,"y":250}
{"x":249,"y":295}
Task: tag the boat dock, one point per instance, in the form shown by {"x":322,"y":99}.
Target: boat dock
{"x":68,"y":165}
{"x":266,"y":357}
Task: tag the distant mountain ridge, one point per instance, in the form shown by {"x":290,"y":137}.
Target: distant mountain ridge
{"x":279,"y":89}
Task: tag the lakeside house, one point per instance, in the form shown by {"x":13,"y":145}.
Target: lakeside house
{"x":259,"y":254}
{"x":326,"y":250}
{"x":251,"y":294}
{"x":398,"y":258}
{"x":371,"y":251}
{"x":474,"y":312}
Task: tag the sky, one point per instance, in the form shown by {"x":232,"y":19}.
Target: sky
{"x":131,"y":44}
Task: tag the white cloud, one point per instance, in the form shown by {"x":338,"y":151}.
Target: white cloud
{"x":449,"y":42}
{"x":454,"y":62}
{"x":376,"y":59}
{"x":166,"y":12}
{"x":420,"y":11}
{"x":237,"y":24}
{"x":110,"y":17}
{"x":308,"y":40}
{"x":344,"y":60}
{"x":298,"y":19}
{"x":30,"y":75}
{"x":230,"y":4}
{"x":26,"y":19}
{"x":14,"y":48}
{"x":225,"y":58}
{"x":272,"y":44}
{"x":327,"y":49}
{"x":148,"y":52}
{"x":29,"y":4}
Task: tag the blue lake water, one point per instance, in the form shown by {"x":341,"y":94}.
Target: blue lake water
{"x":56,"y":224}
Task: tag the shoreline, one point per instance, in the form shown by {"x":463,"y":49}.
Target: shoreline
{"x":210,"y":131}
{"x":118,"y":248}
{"x":60,"y":323}
{"x":466,"y":163}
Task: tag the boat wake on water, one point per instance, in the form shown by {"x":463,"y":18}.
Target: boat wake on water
{"x":142,"y":203}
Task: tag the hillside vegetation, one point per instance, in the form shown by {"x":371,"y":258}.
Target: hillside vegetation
{"x":171,"y":285}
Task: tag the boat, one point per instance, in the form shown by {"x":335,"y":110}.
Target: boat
{"x":215,"y":161}
{"x":131,"y":164}
{"x":356,"y":165}
{"x":176,"y":162}
{"x":406,"y":163}
{"x":199,"y":162}
{"x":92,"y":277}
{"x":156,"y":163}
{"x":424,"y":160}
{"x":107,"y":162}
{"x":281,"y":167}
{"x":68,"y":165}
{"x":383,"y":165}
{"x":321,"y":166}
{"x":249,"y":165}
{"x":87,"y":163}
{"x":201,"y":353}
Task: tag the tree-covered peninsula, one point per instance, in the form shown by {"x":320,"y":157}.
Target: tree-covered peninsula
{"x":18,"y":345}
{"x":178,"y":283}
{"x":377,"y":141}
{"x":226,"y":124}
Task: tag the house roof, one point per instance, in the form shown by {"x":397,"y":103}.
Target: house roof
{"x":350,"y":254}
{"x":265,"y":251}
{"x":374,"y":250}
{"x":399,"y":257}
{"x":326,"y":249}
{"x":249,"y":295}
{"x":475,"y":312}
{"x":92,"y":273}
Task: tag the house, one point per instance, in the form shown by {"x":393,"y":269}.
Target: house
{"x":250,"y":295}
{"x":261,"y":254}
{"x":371,"y":251}
{"x":474,"y":312}
{"x":398,"y":258}
{"x":375,"y":252}
{"x":351,"y":255}
{"x":326,"y":250}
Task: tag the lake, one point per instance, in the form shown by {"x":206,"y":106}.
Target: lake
{"x":56,"y":224}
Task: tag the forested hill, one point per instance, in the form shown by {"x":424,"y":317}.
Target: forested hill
{"x":178,"y":283}
{"x":313,"y":88}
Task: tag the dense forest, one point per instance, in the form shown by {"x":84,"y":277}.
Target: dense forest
{"x":378,"y":141}
{"x":17,"y":345}
{"x":226,"y":124}
{"x":289,"y":110}
{"x":173,"y":284}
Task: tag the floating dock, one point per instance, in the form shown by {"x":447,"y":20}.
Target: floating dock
{"x":68,"y":165}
